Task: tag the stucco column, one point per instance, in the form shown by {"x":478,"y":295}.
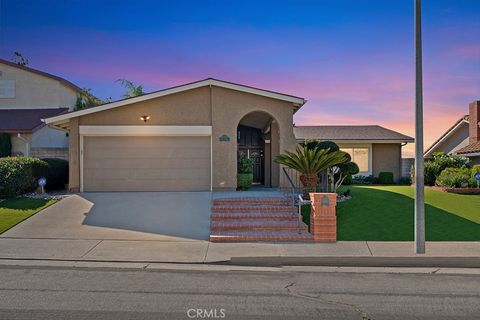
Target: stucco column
{"x":74,"y":156}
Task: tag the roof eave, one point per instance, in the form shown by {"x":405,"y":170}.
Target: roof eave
{"x":189,"y":86}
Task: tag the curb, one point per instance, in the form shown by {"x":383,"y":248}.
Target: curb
{"x":434,"y":262}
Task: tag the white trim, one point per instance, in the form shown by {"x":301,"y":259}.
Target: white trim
{"x":468,"y":155}
{"x":145,"y":130}
{"x":445,"y":136}
{"x":359,"y":141}
{"x":81,"y":163}
{"x":208,"y":82}
{"x":211,"y":163}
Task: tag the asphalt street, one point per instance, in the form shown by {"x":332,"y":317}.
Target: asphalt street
{"x":73,"y":293}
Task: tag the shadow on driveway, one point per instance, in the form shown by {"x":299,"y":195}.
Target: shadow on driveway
{"x":178,"y":214}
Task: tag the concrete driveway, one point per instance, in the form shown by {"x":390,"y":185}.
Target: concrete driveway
{"x":165,"y":216}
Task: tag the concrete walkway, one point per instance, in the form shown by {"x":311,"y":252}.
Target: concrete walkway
{"x":156,"y":251}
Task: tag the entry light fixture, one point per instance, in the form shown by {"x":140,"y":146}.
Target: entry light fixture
{"x":145,"y":118}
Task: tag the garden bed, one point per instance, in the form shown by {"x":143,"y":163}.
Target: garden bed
{"x":457,"y":190}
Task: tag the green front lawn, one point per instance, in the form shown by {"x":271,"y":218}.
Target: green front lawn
{"x":14,"y":211}
{"x":385,"y":213}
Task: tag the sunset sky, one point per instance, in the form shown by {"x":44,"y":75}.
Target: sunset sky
{"x":352,"y":60}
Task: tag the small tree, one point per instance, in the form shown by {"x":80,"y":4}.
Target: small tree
{"x":340,"y":172}
{"x":309,"y":162}
{"x":133,"y":90}
{"x":86,"y":100}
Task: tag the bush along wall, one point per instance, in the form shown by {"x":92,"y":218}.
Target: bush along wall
{"x":5,"y":145}
{"x":385,"y":178}
{"x":57,"y":175}
{"x":19,"y":175}
{"x":244,"y":173}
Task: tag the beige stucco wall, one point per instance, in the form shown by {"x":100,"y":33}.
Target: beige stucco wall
{"x":219,"y":107}
{"x":228,"y":108}
{"x":386,"y":157}
{"x":186,"y":108}
{"x":35,"y":91}
{"x":74,"y":156}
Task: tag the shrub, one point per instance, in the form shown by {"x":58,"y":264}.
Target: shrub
{"x":440,"y":161}
{"x":315,"y":144}
{"x":57,"y":175}
{"x":453,"y":178}
{"x":348,"y":180}
{"x":404,"y":181}
{"x":245,"y":165}
{"x":20,"y":174}
{"x":474,"y":182}
{"x":385,"y":178}
{"x":244,"y":180}
{"x":244,"y":173}
{"x":359,"y":179}
{"x":5,"y":145}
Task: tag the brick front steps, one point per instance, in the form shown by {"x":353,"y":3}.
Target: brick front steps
{"x":256,"y":219}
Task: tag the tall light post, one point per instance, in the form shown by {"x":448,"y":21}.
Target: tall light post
{"x":419,"y":166}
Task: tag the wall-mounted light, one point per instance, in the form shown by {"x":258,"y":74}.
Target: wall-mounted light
{"x":145,"y":118}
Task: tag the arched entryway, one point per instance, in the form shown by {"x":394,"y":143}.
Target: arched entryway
{"x":258,"y":139}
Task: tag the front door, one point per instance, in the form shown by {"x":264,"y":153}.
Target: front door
{"x":251,"y":145}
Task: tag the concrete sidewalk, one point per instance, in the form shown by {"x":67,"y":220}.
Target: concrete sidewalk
{"x":153,"y":251}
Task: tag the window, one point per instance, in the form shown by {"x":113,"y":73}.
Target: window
{"x":359,"y":156}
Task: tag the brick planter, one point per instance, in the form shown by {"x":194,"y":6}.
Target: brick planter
{"x":323,"y":217}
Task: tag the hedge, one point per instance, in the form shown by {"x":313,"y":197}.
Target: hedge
{"x":57,"y":175}
{"x":19,"y":175}
{"x":385,"y":178}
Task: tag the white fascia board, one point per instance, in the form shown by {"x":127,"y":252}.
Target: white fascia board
{"x":467,"y":155}
{"x":259,"y":92}
{"x":190,"y":86}
{"x":145,"y":131}
{"x":360,"y":141}
{"x":430,"y":150}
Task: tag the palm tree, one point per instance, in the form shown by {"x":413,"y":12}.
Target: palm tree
{"x":309,"y":162}
{"x":133,"y":90}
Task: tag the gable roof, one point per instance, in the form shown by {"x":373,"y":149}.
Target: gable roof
{"x":448,"y":133}
{"x":25,"y":120}
{"x":41,"y":73}
{"x":350,"y":133}
{"x":192,"y":85}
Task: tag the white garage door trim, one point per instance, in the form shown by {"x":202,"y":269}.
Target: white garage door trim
{"x":168,"y":131}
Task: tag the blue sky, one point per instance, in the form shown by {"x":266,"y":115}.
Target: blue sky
{"x":352,"y":60}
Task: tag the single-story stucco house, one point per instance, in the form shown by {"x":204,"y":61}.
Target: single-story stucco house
{"x":28,"y":95}
{"x":188,"y":138}
{"x":463,"y":138}
{"x":373,"y":148}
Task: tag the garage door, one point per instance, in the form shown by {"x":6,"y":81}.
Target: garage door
{"x":156,"y":163}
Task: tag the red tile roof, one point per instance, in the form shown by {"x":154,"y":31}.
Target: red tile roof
{"x":471,"y":148}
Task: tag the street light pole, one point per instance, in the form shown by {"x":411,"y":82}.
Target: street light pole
{"x":419,"y":165}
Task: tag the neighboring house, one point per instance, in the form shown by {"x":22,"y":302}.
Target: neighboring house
{"x":188,"y":138}
{"x":373,"y":148}
{"x":27,"y":96}
{"x":463,"y":138}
